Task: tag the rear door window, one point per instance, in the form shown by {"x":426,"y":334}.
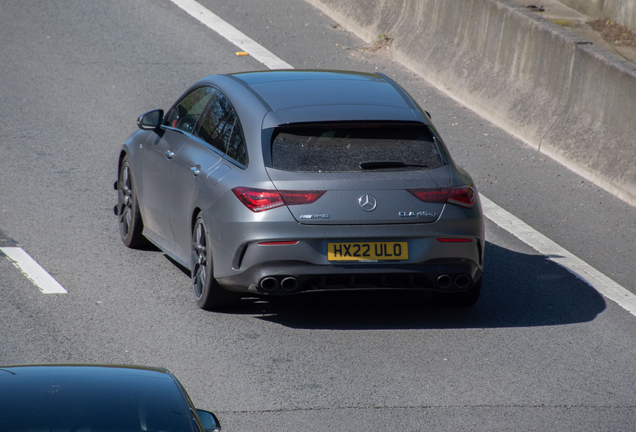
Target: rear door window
{"x":220,"y":127}
{"x":236,"y":148}
{"x":354,"y":147}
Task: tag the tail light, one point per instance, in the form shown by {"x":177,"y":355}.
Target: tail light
{"x":463,"y":196}
{"x":258,"y":200}
{"x":301,"y":197}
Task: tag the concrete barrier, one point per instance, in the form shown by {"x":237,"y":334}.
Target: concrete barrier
{"x":560,"y":94}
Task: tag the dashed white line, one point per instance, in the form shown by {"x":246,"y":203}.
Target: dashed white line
{"x":33,"y":271}
{"x":597,"y":280}
{"x":231,"y":33}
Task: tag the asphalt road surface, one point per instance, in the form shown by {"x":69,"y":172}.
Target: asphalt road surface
{"x":542,"y":349}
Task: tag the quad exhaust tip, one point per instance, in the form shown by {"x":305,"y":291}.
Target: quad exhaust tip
{"x":444,"y":281}
{"x":289,"y":284}
{"x":461,"y":281}
{"x":269,"y":284}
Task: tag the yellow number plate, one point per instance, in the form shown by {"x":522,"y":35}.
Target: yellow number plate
{"x":367,"y":251}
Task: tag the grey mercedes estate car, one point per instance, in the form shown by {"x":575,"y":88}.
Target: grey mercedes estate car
{"x":283,"y":182}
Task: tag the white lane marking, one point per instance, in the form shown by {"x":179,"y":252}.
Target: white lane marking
{"x":231,"y":33}
{"x":597,"y":280}
{"x":561,"y":256}
{"x":32,"y":270}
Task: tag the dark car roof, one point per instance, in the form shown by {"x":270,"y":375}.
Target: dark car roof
{"x":294,"y":89}
{"x":68,"y":371}
{"x":88,"y":375}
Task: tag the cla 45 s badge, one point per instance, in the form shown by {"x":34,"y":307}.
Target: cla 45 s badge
{"x":421,"y":214}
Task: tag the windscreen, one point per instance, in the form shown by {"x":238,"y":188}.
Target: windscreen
{"x":354,"y":147}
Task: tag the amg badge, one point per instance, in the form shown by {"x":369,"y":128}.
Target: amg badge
{"x":316,"y":216}
{"x":421,"y":214}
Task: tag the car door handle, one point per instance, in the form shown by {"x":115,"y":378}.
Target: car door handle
{"x":169,"y":154}
{"x":195,"y":171}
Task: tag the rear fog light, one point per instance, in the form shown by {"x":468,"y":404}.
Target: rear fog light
{"x":279,"y":243}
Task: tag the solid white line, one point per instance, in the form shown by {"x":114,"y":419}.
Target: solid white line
{"x":561,"y":256}
{"x":597,"y":280}
{"x":32,"y":270}
{"x":231,"y":33}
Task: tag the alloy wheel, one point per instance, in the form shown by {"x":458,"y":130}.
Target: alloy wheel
{"x":125,"y":201}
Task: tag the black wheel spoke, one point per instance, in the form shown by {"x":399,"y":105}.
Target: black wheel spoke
{"x":202,"y":276}
{"x":199,"y":260}
{"x":196,"y":281}
{"x":127,"y":219}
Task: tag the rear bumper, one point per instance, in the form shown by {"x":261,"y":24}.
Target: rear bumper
{"x":292,"y":277}
{"x":244,"y":256}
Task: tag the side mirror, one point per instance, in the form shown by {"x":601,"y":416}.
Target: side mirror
{"x":150,"y":120}
{"x":209,"y":421}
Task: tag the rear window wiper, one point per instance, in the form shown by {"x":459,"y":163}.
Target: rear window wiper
{"x":388,"y":164}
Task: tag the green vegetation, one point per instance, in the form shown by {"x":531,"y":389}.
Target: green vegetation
{"x":565,"y":23}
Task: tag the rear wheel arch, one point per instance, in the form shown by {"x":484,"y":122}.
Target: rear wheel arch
{"x":208,"y":293}
{"x":127,"y":209}
{"x":122,"y":155}
{"x":193,"y":219}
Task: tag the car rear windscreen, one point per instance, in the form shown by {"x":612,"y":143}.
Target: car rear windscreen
{"x":354,"y":147}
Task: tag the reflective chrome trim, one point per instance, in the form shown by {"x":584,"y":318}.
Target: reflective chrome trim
{"x":368,"y":202}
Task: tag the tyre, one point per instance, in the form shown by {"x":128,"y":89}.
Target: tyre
{"x":459,"y":299}
{"x":208,"y":293}
{"x":130,"y":223}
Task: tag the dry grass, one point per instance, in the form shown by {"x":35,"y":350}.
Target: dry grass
{"x":613,"y":33}
{"x":382,"y":43}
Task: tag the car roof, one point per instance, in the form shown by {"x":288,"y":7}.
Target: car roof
{"x":67,"y":374}
{"x":285,"y":89}
{"x":299,"y":96}
{"x":70,"y":390}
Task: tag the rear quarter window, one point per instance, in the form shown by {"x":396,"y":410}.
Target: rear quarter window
{"x":342,"y":148}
